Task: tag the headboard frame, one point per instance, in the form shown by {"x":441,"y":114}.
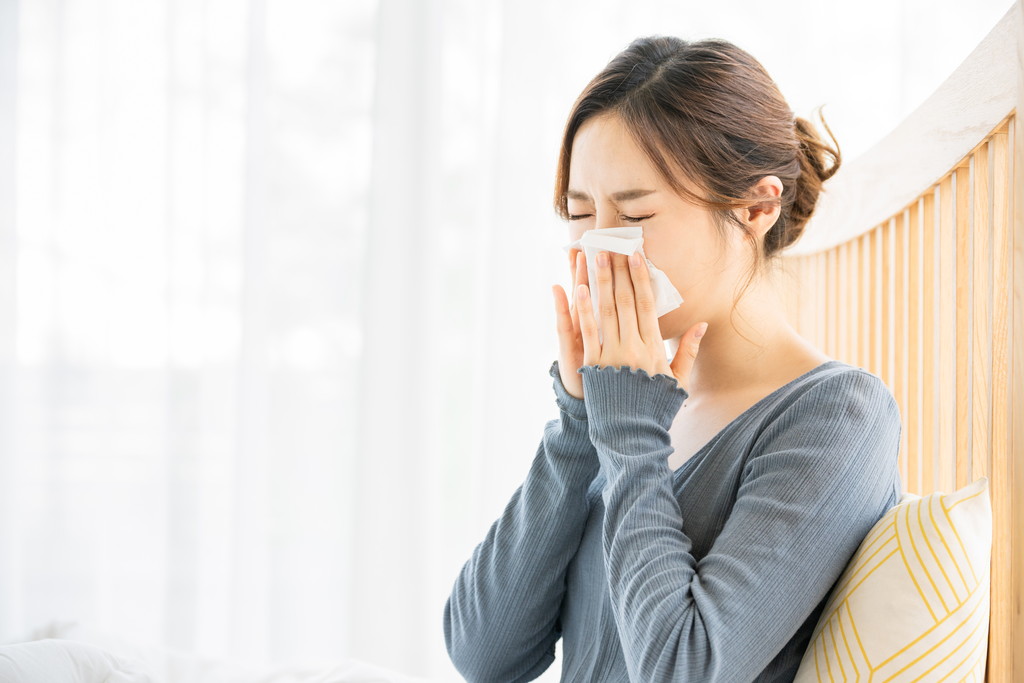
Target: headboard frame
{"x":913,"y":268}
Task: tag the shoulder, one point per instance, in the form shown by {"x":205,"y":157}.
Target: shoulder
{"x":840,"y":386}
{"x":836,"y":408}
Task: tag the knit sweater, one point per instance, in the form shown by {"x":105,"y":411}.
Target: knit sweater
{"x":715,"y":571}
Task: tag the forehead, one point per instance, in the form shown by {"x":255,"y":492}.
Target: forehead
{"x":606,"y":158}
{"x":603,"y":149}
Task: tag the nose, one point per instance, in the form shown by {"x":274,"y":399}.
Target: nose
{"x":606,"y":218}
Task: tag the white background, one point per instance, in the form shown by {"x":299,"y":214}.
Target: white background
{"x":275,"y":309}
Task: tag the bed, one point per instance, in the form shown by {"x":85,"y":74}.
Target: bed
{"x":920,"y":280}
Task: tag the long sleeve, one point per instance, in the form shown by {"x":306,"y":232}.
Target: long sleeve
{"x":501,"y":620}
{"x":815,"y":481}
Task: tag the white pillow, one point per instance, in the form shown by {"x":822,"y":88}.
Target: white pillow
{"x":67,"y":651}
{"x":67,"y":661}
{"x":913,"y":602}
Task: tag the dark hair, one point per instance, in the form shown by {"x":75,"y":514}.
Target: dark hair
{"x":710,"y":110}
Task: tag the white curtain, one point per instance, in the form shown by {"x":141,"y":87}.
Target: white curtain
{"x":275,"y":309}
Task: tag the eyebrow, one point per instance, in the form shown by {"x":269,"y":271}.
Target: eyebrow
{"x":624,"y":196}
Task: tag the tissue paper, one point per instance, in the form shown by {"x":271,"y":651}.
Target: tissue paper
{"x":623,"y":240}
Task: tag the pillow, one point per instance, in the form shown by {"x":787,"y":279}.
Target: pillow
{"x":913,"y":602}
{"x":67,"y":651}
{"x":67,"y":661}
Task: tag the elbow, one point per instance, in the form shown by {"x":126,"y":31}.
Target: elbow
{"x":466,"y":649}
{"x":480,"y":655}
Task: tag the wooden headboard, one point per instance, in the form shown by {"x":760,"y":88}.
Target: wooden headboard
{"x":913,"y":268}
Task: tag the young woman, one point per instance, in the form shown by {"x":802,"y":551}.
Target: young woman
{"x":683,"y":520}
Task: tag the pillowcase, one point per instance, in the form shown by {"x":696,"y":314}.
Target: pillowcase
{"x":913,"y":602}
{"x":67,"y":661}
{"x":67,"y":651}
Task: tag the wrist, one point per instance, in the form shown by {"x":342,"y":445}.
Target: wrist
{"x":620,"y":396}
{"x":576,"y":408}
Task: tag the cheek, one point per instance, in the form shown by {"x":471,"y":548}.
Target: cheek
{"x":669,"y":257}
{"x":686,"y":260}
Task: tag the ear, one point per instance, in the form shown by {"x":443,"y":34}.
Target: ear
{"x":761,"y":217}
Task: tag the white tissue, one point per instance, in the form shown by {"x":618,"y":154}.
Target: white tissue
{"x":623,"y":240}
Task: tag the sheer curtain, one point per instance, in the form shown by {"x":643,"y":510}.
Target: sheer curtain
{"x":275,"y":309}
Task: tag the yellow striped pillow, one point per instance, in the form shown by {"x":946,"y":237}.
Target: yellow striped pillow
{"x":913,"y":603}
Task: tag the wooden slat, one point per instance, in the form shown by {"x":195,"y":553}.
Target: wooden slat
{"x":842,"y":293}
{"x":797,"y":276}
{"x":915,"y":292}
{"x":962,"y":181}
{"x":875,"y":247}
{"x":832,"y":305}
{"x":1001,"y":623}
{"x":864,"y":306}
{"x":947,"y":337}
{"x":898,"y":336}
{"x":800,"y":289}
{"x":981,"y":325}
{"x":818,"y":299}
{"x":887,"y":287}
{"x":929,"y":385}
{"x":807,"y":296}
{"x":1015,"y":350}
{"x":853,"y":303}
{"x":821,"y":296}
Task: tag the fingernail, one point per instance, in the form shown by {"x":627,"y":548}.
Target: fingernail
{"x":602,"y":259}
{"x":700,"y":331}
{"x":581,"y":292}
{"x":634,"y":259}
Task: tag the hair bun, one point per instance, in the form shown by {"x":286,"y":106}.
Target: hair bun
{"x":813,"y":150}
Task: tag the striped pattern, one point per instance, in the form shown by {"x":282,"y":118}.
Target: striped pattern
{"x":913,"y":603}
{"x":928,"y":300}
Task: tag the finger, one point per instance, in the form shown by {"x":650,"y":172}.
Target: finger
{"x":563,"y":321}
{"x":579,"y":277}
{"x":572,"y":267}
{"x":606,"y":298}
{"x":583,"y":277}
{"x":629,"y":330}
{"x":588,"y":327}
{"x":646,"y":309}
{"x":686,"y":354}
{"x":572,"y":275}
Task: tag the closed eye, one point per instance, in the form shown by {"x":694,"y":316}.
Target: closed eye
{"x":631,"y":219}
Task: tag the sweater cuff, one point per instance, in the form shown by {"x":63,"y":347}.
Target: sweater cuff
{"x":618,"y":397}
{"x":575,"y":407}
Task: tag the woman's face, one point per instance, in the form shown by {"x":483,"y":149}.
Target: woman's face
{"x":612,"y":183}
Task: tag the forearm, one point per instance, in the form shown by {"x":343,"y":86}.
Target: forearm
{"x":648,"y":558}
{"x":813,"y":485}
{"x":501,"y":618}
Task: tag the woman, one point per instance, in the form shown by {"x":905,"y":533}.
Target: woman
{"x":683,"y":520}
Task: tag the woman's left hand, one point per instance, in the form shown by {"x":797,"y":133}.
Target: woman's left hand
{"x":629,"y":322}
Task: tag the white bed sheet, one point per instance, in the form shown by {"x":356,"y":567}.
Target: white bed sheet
{"x":69,"y":652}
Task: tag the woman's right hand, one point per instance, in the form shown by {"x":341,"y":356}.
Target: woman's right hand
{"x":570,"y":340}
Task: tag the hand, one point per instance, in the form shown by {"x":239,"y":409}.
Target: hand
{"x":570,"y":341}
{"x":629,"y":322}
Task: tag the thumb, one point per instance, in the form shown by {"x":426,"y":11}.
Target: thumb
{"x":686,"y":354}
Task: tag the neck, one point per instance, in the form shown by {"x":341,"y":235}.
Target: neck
{"x":742,"y":352}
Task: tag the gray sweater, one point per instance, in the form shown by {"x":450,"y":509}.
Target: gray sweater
{"x":716,"y":571}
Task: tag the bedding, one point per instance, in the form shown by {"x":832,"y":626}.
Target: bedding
{"x":69,"y":652}
{"x":913,"y":603}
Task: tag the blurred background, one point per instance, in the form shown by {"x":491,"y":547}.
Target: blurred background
{"x":275,"y":308}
